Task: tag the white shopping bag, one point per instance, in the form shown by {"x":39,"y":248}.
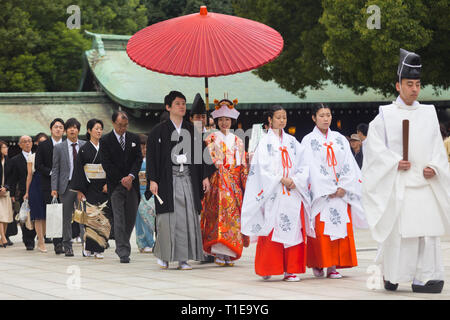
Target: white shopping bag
{"x":54,"y":219}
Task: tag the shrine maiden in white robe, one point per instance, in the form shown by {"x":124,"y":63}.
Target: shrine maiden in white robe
{"x":266,"y":205}
{"x":332,"y":166}
{"x":406,"y":212}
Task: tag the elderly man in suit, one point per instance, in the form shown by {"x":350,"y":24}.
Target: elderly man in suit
{"x":19,"y":179}
{"x":64,"y":157}
{"x":121,"y":160}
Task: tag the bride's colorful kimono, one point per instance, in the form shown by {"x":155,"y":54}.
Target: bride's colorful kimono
{"x":221,"y":214}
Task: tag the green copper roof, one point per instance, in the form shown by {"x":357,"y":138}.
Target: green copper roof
{"x":136,"y":87}
{"x":31,"y":113}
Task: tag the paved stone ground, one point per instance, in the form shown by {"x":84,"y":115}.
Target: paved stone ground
{"x":33,"y":275}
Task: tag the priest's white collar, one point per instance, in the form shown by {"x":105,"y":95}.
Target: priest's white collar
{"x":402,"y":105}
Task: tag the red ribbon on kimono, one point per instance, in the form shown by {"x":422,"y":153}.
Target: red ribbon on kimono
{"x":331,"y":158}
{"x":287,"y":163}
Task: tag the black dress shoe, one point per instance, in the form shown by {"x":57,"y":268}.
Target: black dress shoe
{"x":69,"y":252}
{"x":30,"y":247}
{"x":59,"y":249}
{"x":125,"y":260}
{"x":9,"y":243}
{"x":432,"y":286}
{"x":390,"y":286}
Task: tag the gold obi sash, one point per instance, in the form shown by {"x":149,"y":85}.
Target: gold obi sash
{"x":94,"y":171}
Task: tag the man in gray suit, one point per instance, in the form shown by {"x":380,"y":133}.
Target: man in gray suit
{"x":64,"y":157}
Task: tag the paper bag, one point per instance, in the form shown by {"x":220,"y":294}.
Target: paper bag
{"x":54,"y":219}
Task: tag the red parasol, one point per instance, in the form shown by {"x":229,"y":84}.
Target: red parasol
{"x":204,"y":44}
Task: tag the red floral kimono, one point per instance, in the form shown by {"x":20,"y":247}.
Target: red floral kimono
{"x":221,"y":214}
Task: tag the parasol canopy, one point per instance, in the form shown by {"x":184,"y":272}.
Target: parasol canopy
{"x":204,"y":44}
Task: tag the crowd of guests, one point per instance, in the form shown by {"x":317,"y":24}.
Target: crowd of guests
{"x":298,"y":200}
{"x":108,"y":176}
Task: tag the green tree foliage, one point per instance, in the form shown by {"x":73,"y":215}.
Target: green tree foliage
{"x":113,"y":16}
{"x":40,"y":53}
{"x":363,"y":58}
{"x":160,"y":10}
{"x":331,"y":40}
{"x":302,"y":63}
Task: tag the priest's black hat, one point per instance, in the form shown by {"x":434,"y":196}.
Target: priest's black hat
{"x":198,"y":106}
{"x":409,"y":65}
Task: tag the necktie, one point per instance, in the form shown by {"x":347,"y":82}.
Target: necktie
{"x":74,"y":151}
{"x":122,"y":142}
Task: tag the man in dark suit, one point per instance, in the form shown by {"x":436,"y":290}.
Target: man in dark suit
{"x":19,"y":179}
{"x":122,"y":159}
{"x":44,"y":164}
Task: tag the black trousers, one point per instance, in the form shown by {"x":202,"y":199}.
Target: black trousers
{"x":124,"y":205}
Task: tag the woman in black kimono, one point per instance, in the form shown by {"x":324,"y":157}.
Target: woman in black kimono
{"x":89,"y":180}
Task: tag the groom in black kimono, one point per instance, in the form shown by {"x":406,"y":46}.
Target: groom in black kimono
{"x":179,"y":178}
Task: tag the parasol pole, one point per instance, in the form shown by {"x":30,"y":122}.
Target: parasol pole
{"x":206,"y":94}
